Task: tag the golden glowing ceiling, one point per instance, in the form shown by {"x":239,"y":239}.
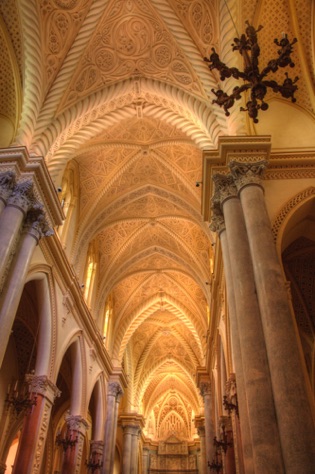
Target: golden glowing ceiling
{"x":119,"y":89}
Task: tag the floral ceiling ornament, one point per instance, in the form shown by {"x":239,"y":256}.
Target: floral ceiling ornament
{"x":254,"y":79}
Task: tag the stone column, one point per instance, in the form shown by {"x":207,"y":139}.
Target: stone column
{"x":113,"y":398}
{"x":3,"y":467}
{"x":145,"y":461}
{"x":233,"y":411}
{"x":245,"y":455}
{"x":203,"y":463}
{"x":205,"y":391}
{"x":35,"y":427}
{"x":262,"y":417}
{"x":225,"y":424}
{"x":126,"y":461}
{"x":7,"y":184}
{"x":72,"y":459}
{"x":134,"y":449}
{"x":287,"y":367}
{"x":11,"y":220}
{"x":35,"y":227}
{"x":96,"y":456}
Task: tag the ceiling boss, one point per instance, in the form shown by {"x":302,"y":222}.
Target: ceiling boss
{"x":254,"y":80}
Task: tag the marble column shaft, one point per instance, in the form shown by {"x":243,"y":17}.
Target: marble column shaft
{"x":72,"y":458}
{"x":96,"y":454}
{"x":262,"y":417}
{"x":114,"y":392}
{"x":228,"y":455}
{"x":35,"y":426}
{"x":126,"y":462}
{"x":145,"y":461}
{"x":35,"y":227}
{"x":290,"y":386}
{"x":205,"y":390}
{"x":203,"y":463}
{"x":246,"y":456}
{"x":134,"y":450}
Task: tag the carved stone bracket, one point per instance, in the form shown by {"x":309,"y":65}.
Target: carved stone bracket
{"x":246,"y":174}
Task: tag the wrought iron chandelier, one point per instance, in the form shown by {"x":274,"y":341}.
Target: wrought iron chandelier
{"x":254,"y":79}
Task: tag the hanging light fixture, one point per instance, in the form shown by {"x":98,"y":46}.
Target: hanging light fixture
{"x":255,"y":81}
{"x":69,"y":441}
{"x":20,"y":397}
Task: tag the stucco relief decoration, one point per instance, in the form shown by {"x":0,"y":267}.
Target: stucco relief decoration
{"x":130,"y":40}
{"x":61,"y":21}
{"x":197,"y":16}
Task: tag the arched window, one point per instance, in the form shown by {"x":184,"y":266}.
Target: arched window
{"x":90,"y":272}
{"x":108,"y":312}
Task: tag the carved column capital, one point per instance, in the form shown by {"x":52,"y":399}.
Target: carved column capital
{"x":115,"y":390}
{"x":40,"y":384}
{"x":217,"y":223}
{"x":224,"y":188}
{"x":77,"y":423}
{"x":97,"y":447}
{"x":22,"y":196}
{"x":205,"y":389}
{"x":230,"y":386}
{"x":201,"y":430}
{"x":7,"y":184}
{"x":36,"y":223}
{"x":246,"y":174}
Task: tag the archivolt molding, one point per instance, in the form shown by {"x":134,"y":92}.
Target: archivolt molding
{"x":125,"y":328}
{"x":286,"y":212}
{"x":45,"y":271}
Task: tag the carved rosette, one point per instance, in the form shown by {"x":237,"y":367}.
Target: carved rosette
{"x":224,"y":188}
{"x":40,"y":384}
{"x":7,"y":184}
{"x":246,"y":174}
{"x":36,"y":223}
{"x":115,"y":390}
{"x":22,"y":196}
{"x":217,"y":223}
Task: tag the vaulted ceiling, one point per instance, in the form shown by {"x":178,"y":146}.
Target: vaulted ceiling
{"x":120,"y":89}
